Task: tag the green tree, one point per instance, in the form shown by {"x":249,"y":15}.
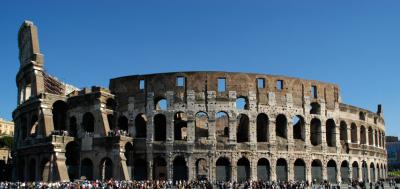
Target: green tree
{"x":6,"y":141}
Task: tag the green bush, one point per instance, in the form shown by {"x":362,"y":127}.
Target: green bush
{"x":6,"y":141}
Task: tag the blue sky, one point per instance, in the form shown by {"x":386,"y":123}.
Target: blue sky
{"x":355,"y":44}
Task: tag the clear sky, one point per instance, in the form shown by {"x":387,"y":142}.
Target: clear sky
{"x":355,"y":44}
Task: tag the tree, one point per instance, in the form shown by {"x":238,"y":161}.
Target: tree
{"x":6,"y":141}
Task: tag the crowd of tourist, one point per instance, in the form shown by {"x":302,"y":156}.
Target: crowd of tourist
{"x":114,"y":184}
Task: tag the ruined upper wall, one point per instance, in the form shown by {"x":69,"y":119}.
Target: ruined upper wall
{"x":242,"y":83}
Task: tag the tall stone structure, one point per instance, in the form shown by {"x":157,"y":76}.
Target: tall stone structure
{"x":190,"y":125}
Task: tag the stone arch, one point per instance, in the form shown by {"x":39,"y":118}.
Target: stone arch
{"x":332,"y":171}
{"x":355,"y":170}
{"x":222,"y":126}
{"x":316,"y":170}
{"x":129,"y":158}
{"x":111,"y":120}
{"x":159,"y":168}
{"x":73,"y":126}
{"x":263,"y":169}
{"x":45,"y":170}
{"x":34,"y":126}
{"x":160,"y":127}
{"x":201,"y":169}
{"x":242,"y":131}
{"x":141,"y":126}
{"x":123,"y":123}
{"x":372,"y":172}
{"x":201,"y":125}
{"x":299,"y":170}
{"x":106,"y":169}
{"x":180,"y":169}
{"x":262,"y":127}
{"x":370,"y":136}
{"x":315,"y":136}
{"x":299,"y":128}
{"x":59,"y":111}
{"x":87,"y":169}
{"x":378,"y":169}
{"x":140,"y":169}
{"x":281,"y":126}
{"x":364,"y":171}
{"x":223,"y":169}
{"x":243,"y":169}
{"x":363,"y":135}
{"x":344,"y":172}
{"x":331,"y":133}
{"x":180,"y":126}
{"x":315,"y":108}
{"x":281,"y":170}
{"x":160,"y":103}
{"x":242,"y":103}
{"x":343,"y":131}
{"x":88,"y":122}
{"x":72,"y":154}
{"x":354,"y":138}
{"x":376,"y":138}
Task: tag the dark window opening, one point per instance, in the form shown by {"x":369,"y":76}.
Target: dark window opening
{"x":141,"y":84}
{"x":281,"y":126}
{"x":262,"y":128}
{"x":160,"y":127}
{"x":314,"y":91}
{"x":222,"y":126}
{"x":260,"y":83}
{"x":123,"y":123}
{"x":242,"y":103}
{"x":279,"y":85}
{"x":88,"y":122}
{"x":201,"y":123}
{"x":180,"y":126}
{"x":221,"y":84}
{"x":180,"y":81}
{"x":242,"y":132}
{"x":298,"y":128}
{"x":330,"y":133}
{"x":141,"y":126}
{"x":315,"y":136}
{"x":315,"y":108}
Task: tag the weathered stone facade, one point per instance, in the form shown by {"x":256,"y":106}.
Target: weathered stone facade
{"x":6,"y":127}
{"x":190,"y":125}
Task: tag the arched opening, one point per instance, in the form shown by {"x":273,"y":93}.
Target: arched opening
{"x":223,"y":169}
{"x":362,"y":116}
{"x":201,"y":169}
{"x":87,"y":169}
{"x":21,"y":170}
{"x":379,"y":171}
{"x":180,"y":172}
{"x":363,"y":135}
{"x":34,"y":126}
{"x":73,"y":127}
{"x":111,"y":120}
{"x":332,"y":171}
{"x":201,"y":122}
{"x":315,"y":136}
{"x":111,"y":104}
{"x":298,"y":128}
{"x":372,"y":171}
{"x":262,"y":127}
{"x":354,"y":138}
{"x":376,"y":138}
{"x":263,"y":170}
{"x":140,"y":169}
{"x":315,"y":108}
{"x":161,"y":104}
{"x":129,"y":158}
{"x":59,"y":115}
{"x":242,"y":103}
{"x":123,"y":123}
{"x":88,"y":122}
{"x":299,"y":170}
{"x":32,"y":170}
{"x":243,"y":169}
{"x":355,"y":170}
{"x":281,"y":170}
{"x":222,"y":127}
{"x":242,"y":131}
{"x":160,"y":127}
{"x":44,"y":171}
{"x":141,"y":126}
{"x":331,"y":133}
{"x":159,"y":169}
{"x":343,"y":131}
{"x":106,"y":169}
{"x":180,"y":126}
{"x":281,"y":126}
{"x":364,"y":171}
{"x":344,"y":172}
{"x":316,"y":170}
{"x":72,"y":154}
{"x":370,"y":136}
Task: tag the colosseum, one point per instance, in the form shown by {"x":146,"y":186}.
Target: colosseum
{"x":188,"y":126}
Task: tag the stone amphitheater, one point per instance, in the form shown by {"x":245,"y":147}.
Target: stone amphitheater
{"x":188,"y":126}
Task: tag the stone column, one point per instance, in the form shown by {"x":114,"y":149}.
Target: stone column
{"x":191,"y":167}
{"x":338,"y":171}
{"x":170,"y":126}
{"x":272,"y":134}
{"x":373,"y":138}
{"x":348,"y":133}
{"x":273,"y":169}
{"x":307,"y":134}
{"x":308,"y":171}
{"x":290,"y":168}
{"x":234,"y":168}
{"x":324,"y":170}
{"x":253,"y":168}
{"x":211,"y":126}
{"x":360,"y":173}
{"x":324,"y":143}
{"x":350,"y":170}
{"x":150,"y":165}
{"x":170,"y":167}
